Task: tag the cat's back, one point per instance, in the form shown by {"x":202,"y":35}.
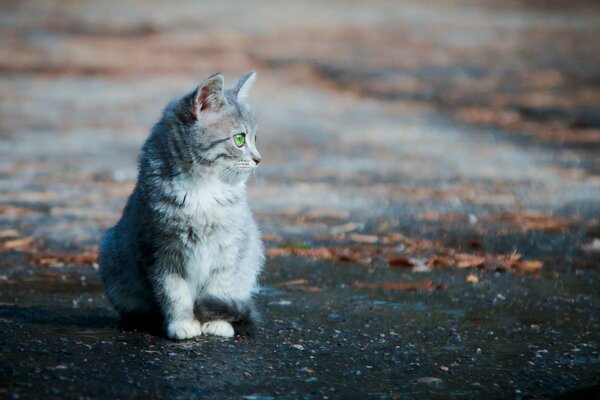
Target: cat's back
{"x":119,"y":246}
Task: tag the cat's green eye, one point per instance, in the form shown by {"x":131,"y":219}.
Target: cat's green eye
{"x":239,"y":139}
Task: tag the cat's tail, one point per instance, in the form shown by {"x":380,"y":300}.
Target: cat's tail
{"x":243,"y":315}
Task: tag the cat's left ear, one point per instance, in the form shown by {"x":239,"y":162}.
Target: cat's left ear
{"x":210,"y":95}
{"x":243,"y":85}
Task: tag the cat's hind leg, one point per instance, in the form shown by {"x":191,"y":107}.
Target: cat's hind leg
{"x":227,"y":317}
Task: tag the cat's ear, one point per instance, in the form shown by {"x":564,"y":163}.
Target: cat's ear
{"x":210,"y":95}
{"x":243,"y":85}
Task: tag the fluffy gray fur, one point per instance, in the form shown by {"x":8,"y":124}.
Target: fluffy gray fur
{"x":187,"y":251}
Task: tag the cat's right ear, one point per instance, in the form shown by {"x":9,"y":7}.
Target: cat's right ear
{"x":210,"y":96}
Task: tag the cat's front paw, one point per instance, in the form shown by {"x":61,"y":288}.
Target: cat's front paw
{"x":180,"y":330}
{"x":218,"y":328}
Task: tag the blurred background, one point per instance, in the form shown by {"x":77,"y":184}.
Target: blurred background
{"x":421,"y":143}
{"x":377,"y":118}
{"x":409,"y":113}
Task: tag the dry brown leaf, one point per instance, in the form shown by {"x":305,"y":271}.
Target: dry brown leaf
{"x":17,"y":244}
{"x":409,"y":286}
{"x":299,"y":284}
{"x":47,"y":261}
{"x":291,"y":283}
{"x":278,"y":252}
{"x":501,"y":262}
{"x":354,"y":258}
{"x":9,"y":234}
{"x":318,"y":252}
{"x":13,"y":211}
{"x":89,"y":257}
{"x":401,"y":262}
{"x":534,"y":220}
{"x":347,"y":227}
{"x":530,"y":265}
{"x":464,"y":260}
{"x":362,"y":238}
{"x":319,"y":213}
{"x":308,"y":288}
{"x":542,"y":221}
{"x":322,"y":253}
{"x":271,"y":238}
{"x":393,"y":238}
{"x":440,"y":261}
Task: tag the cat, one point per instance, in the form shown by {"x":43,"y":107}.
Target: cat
{"x":187,"y":248}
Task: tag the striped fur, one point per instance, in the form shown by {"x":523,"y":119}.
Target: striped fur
{"x":187,"y":240}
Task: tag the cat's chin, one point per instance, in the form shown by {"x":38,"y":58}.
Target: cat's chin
{"x":235,"y":179}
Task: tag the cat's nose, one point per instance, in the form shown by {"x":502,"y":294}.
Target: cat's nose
{"x":256,"y":159}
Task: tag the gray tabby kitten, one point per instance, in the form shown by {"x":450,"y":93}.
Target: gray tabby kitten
{"x":187,"y":247}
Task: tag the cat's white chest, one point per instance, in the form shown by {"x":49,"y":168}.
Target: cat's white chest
{"x":207,"y":202}
{"x":213,"y":220}
{"x":216,"y":251}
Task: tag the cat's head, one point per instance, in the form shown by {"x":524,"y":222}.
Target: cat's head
{"x":220,"y":131}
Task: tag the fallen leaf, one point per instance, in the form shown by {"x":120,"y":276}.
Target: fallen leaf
{"x":400,"y":262}
{"x":313,"y":289}
{"x":392,"y":238}
{"x":318,"y":213}
{"x":278,"y":252}
{"x":502,"y":262}
{"x":17,"y":244}
{"x":354,"y":258}
{"x":530,"y":265}
{"x":318,"y":252}
{"x":347,"y":227}
{"x":440,"y":261}
{"x":9,"y":233}
{"x":49,"y":262}
{"x":291,"y":283}
{"x":89,"y":257}
{"x":362,"y":238}
{"x":271,"y":238}
{"x":534,"y":221}
{"x":14,"y":211}
{"x":409,"y":286}
{"x":464,"y":260}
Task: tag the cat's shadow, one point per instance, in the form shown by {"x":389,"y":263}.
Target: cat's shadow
{"x":98,"y":320}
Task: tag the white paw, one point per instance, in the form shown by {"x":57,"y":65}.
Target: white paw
{"x":180,"y":330}
{"x":218,"y":328}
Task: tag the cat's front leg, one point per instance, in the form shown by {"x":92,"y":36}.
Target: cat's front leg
{"x":177,"y":304}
